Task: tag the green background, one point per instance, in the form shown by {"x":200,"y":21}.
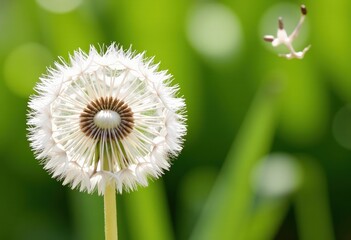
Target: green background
{"x":243,"y":102}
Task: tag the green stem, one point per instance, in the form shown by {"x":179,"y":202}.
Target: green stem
{"x":110,"y":213}
{"x":231,"y":197}
{"x":148,"y":203}
{"x":266,"y":220}
{"x":312,"y":204}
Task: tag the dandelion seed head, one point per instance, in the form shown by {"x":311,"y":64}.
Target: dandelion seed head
{"x":106,"y":117}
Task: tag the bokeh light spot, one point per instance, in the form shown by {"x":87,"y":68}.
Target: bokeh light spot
{"x":214,"y":31}
{"x":276,"y":175}
{"x":59,"y":6}
{"x":342,"y":127}
{"x":24,"y":66}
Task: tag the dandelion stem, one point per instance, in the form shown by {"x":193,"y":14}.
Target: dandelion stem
{"x":110,"y":211}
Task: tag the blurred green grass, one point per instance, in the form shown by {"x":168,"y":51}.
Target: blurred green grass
{"x":219,"y":91}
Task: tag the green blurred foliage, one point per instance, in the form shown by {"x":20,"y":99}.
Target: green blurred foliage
{"x":218,"y":94}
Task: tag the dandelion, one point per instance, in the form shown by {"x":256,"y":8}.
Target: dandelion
{"x":106,"y":117}
{"x":283,"y":38}
{"x":106,"y":121}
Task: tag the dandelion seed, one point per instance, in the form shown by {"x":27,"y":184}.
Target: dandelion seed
{"x":106,"y":118}
{"x":283,"y":38}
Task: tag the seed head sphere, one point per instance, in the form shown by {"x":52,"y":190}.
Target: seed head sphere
{"x":106,"y":117}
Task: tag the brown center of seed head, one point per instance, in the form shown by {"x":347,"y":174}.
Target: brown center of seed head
{"x":90,"y":129}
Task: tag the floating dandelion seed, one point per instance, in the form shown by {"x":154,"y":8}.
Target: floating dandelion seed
{"x":283,"y":38}
{"x":106,"y":118}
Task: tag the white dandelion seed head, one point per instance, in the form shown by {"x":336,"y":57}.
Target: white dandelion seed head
{"x":106,"y":117}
